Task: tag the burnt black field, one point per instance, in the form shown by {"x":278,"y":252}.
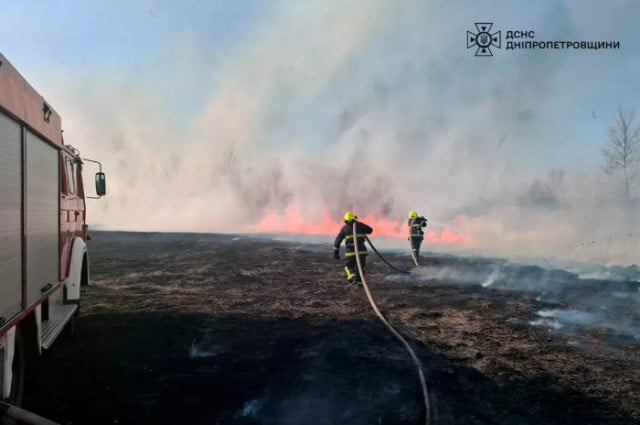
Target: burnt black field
{"x":234,"y":329}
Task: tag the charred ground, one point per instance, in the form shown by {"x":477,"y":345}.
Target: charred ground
{"x":222,"y":329}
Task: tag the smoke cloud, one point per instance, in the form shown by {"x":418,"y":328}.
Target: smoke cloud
{"x":375,"y":107}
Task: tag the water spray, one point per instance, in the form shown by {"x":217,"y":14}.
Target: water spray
{"x":445,"y":226}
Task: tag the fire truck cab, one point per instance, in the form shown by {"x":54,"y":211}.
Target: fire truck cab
{"x":43,"y":231}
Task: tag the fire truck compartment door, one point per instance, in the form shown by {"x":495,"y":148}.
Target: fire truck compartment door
{"x":10,"y":218}
{"x":42,"y":218}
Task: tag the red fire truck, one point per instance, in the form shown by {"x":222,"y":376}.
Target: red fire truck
{"x":43,"y":231}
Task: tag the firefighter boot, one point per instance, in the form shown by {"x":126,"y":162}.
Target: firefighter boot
{"x":351,"y":277}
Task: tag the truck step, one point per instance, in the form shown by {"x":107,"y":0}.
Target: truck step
{"x":53,"y":327}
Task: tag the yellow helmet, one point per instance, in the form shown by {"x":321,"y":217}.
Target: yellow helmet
{"x":349,"y":216}
{"x":412,"y":214}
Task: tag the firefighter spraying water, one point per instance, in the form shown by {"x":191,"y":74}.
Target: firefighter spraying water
{"x":416,"y":234}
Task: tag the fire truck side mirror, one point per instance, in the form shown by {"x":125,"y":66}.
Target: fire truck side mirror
{"x":101,"y":184}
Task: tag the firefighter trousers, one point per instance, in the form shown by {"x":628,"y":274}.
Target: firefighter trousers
{"x":416,"y":241}
{"x":351,"y":268}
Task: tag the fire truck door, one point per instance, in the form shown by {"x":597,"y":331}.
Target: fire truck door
{"x":10,"y":219}
{"x":42,"y":199}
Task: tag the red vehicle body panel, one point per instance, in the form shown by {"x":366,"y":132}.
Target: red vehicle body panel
{"x":20,"y":101}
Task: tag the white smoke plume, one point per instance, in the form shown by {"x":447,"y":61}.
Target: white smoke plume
{"x":369,"y":105}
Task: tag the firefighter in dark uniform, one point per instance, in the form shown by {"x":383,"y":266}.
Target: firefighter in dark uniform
{"x":346,"y":234}
{"x":416,"y":234}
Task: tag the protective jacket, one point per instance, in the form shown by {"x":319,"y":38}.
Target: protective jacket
{"x":346,"y":234}
{"x":415,"y":227}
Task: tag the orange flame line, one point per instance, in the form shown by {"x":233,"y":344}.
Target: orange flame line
{"x":294,"y":222}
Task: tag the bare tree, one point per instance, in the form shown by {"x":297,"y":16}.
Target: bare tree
{"x":232,"y":166}
{"x":622,"y":151}
{"x":543,"y":193}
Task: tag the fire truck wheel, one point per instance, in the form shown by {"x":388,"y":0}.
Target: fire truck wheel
{"x":84,"y":275}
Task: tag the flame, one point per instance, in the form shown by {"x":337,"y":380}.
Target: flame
{"x":294,"y":221}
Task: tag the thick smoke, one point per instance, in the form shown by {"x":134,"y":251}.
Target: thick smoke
{"x":372,"y":106}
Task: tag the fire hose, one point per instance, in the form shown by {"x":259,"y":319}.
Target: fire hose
{"x":22,"y":416}
{"x":423,"y":382}
{"x":383,"y":259}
